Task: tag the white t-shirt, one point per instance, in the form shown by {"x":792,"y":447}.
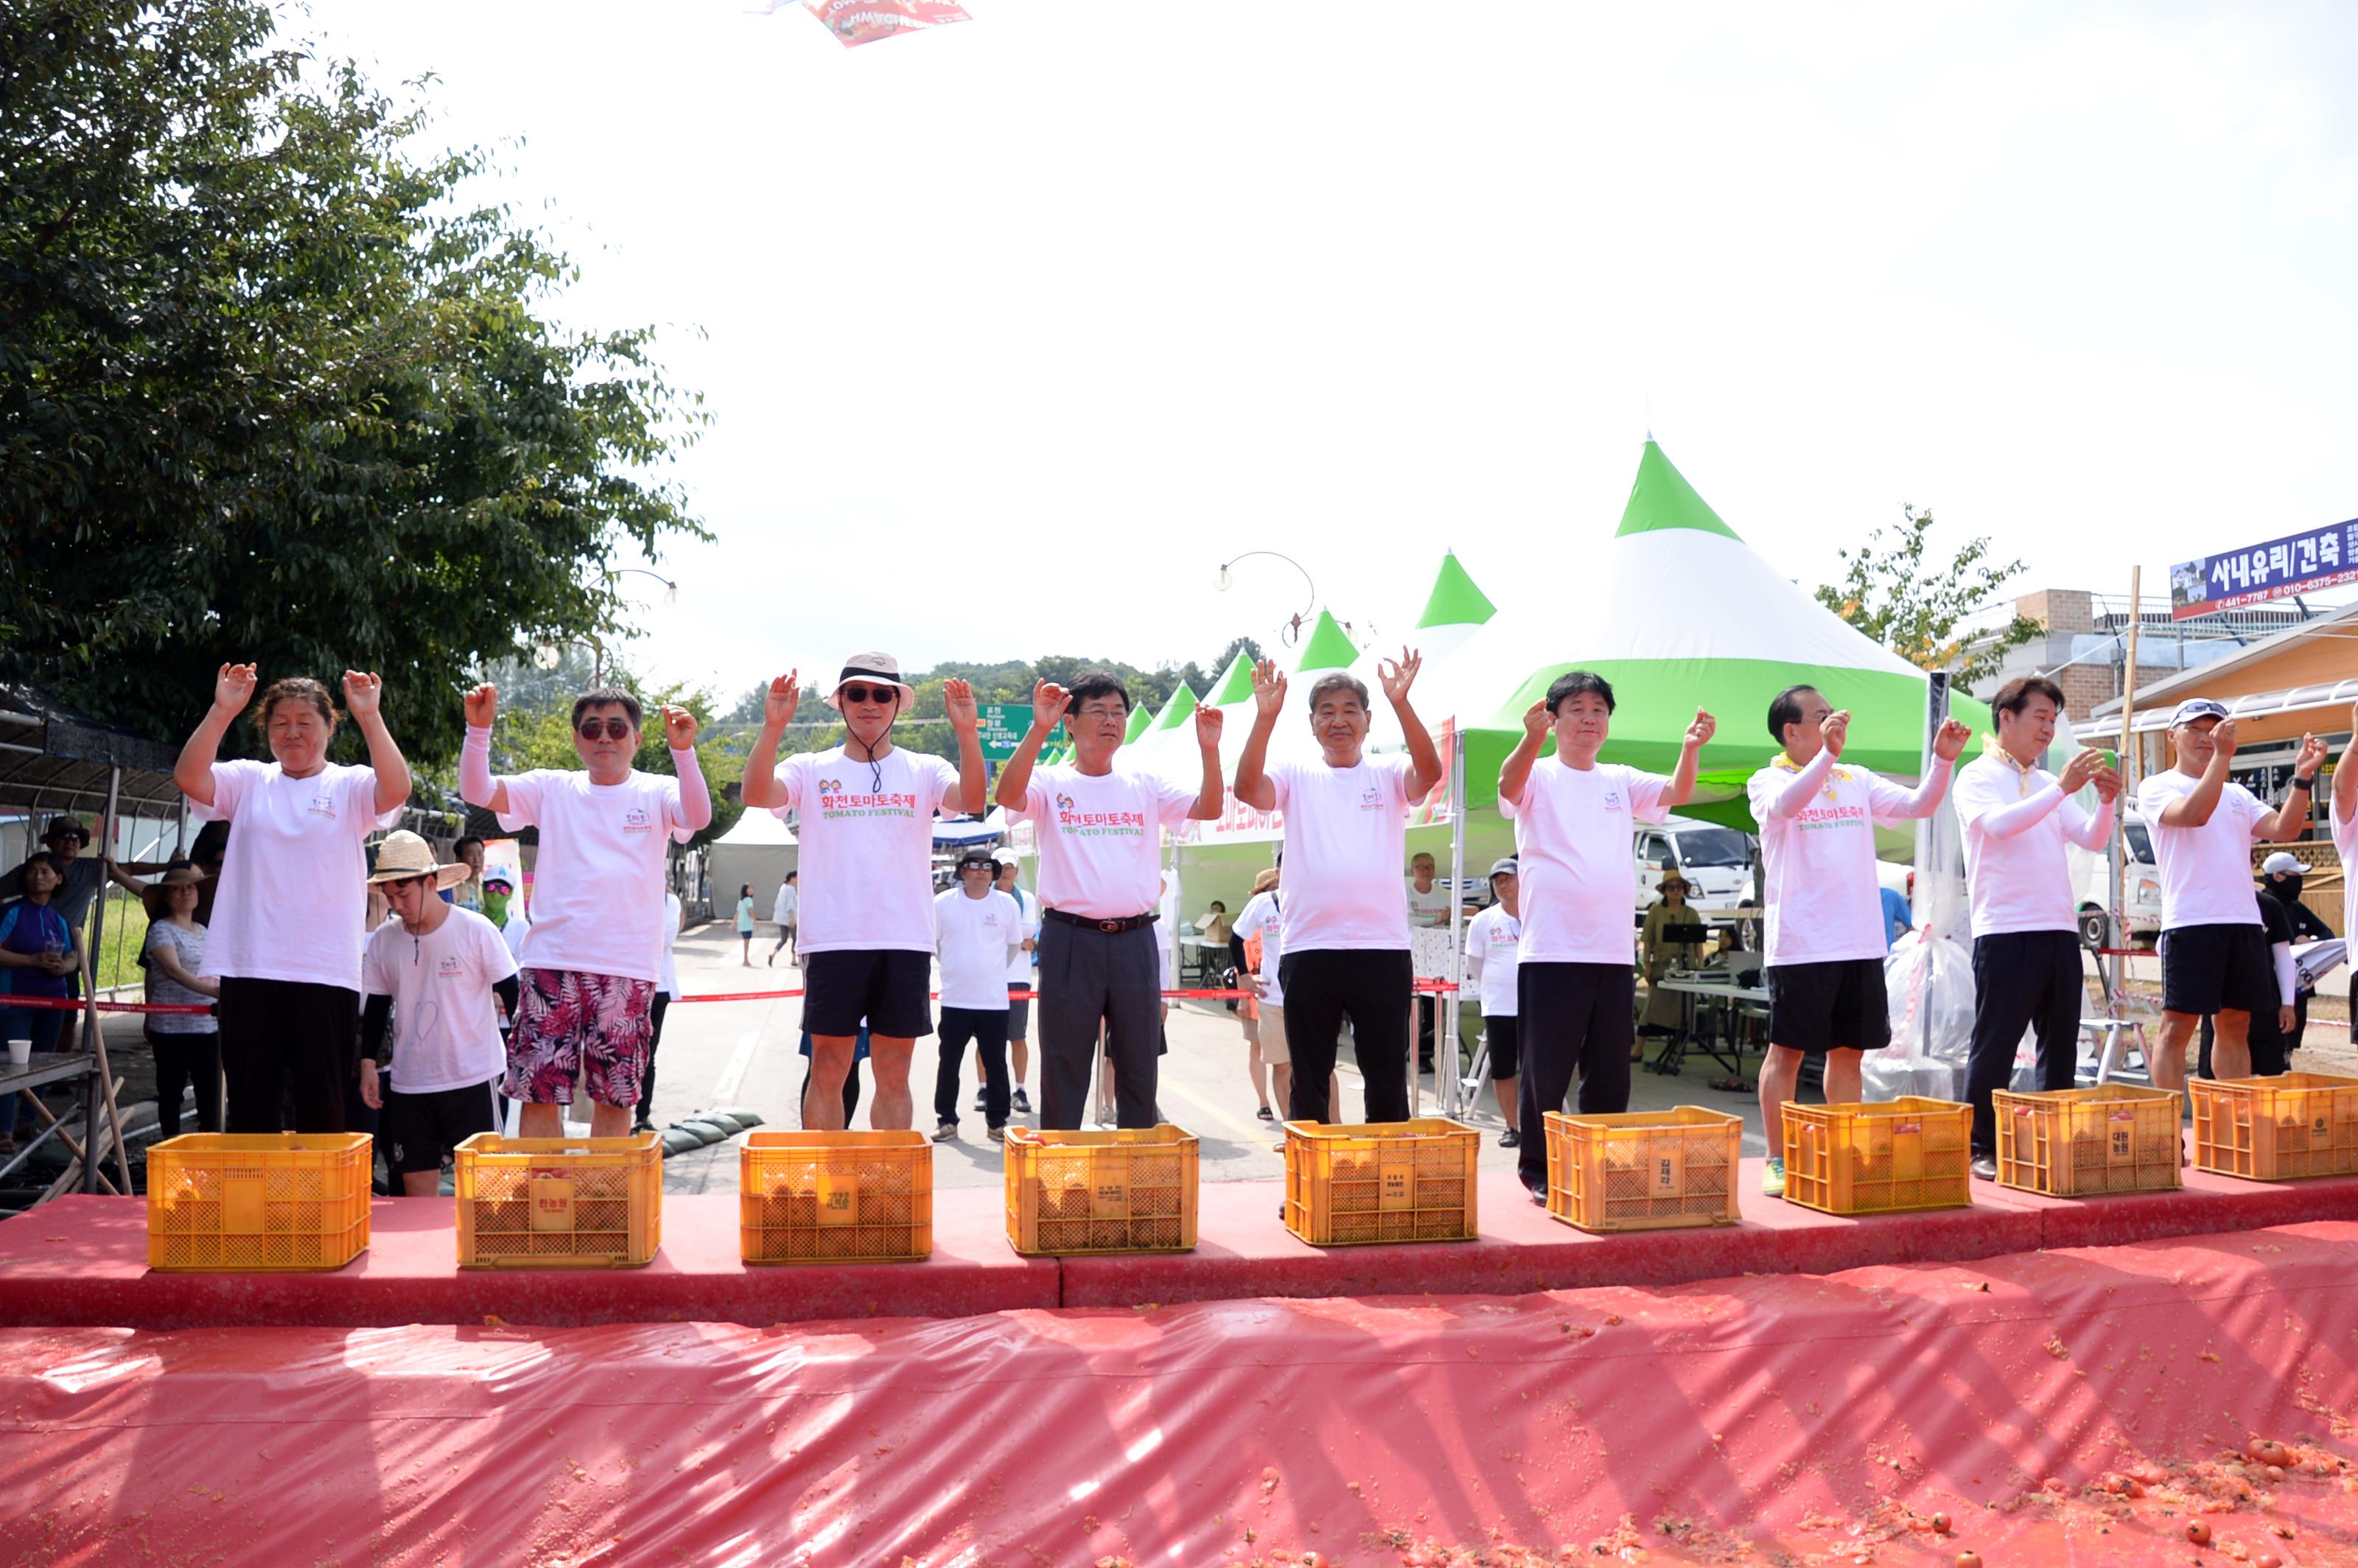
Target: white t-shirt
{"x":1494,"y":939}
{"x":517,"y":925}
{"x":1102,"y":838}
{"x":789,"y":898}
{"x":1345,"y":829}
{"x":1428,"y":909}
{"x":2345,"y":836}
{"x":597,"y":882}
{"x":866,"y":847}
{"x":668,"y":972}
{"x":446,"y":1024}
{"x":2022,"y":883}
{"x":293,"y":899}
{"x":2206,"y":872}
{"x":1264,"y":913}
{"x":974,"y":937}
{"x":1576,"y":859}
{"x":1019,"y":963}
{"x":1817,"y":868}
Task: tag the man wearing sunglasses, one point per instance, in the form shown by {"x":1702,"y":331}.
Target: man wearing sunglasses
{"x":593,"y":952}
{"x":866,"y":813}
{"x":1100,"y":827}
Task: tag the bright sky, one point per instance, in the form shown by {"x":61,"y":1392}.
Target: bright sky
{"x":1014,"y":330}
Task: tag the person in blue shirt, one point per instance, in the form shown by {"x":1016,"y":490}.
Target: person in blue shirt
{"x":1898,"y":918}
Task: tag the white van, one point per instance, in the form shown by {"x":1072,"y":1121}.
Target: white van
{"x":1716,"y":862}
{"x":2140,"y":887}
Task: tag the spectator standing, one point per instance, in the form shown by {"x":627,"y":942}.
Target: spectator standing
{"x":1493,"y":948}
{"x":1664,"y":1011}
{"x":977,"y":931}
{"x":594,"y":949}
{"x":505,"y":910}
{"x":287,"y":925}
{"x":783,"y":910}
{"x":745,"y":923}
{"x":2214,"y":949}
{"x":432,"y":1056}
{"x":1347,"y":942}
{"x":2281,"y":875}
{"x":1428,"y":910}
{"x":1898,"y":918}
{"x":468,"y":894}
{"x":1261,"y":1012}
{"x":38,"y":954}
{"x":866,"y":809}
{"x":186,"y":1046}
{"x":1021,"y":976}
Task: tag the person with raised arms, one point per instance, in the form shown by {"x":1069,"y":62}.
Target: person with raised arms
{"x":1346,"y":943}
{"x":866,"y":932}
{"x":2214,"y":947}
{"x":2017,"y":817}
{"x":593,"y":952}
{"x":289,"y":918}
{"x":1100,"y":824}
{"x":2341,"y":815}
{"x":1824,"y":949}
{"x":1576,"y":975}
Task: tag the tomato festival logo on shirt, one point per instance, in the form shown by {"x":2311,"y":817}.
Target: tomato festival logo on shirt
{"x":834,"y":804}
{"x":1612,"y":800}
{"x":1098,"y":824}
{"x":449,"y":966}
{"x":1371,"y":799}
{"x":637,"y":820}
{"x":1064,"y":802}
{"x":323,"y":804}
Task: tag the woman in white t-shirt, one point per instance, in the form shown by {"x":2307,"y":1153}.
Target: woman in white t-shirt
{"x":287,"y":922}
{"x":187,"y":1045}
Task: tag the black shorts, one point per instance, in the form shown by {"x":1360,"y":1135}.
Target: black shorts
{"x":1839,"y":1005}
{"x":2211,"y":968}
{"x":1018,"y":1010}
{"x":885,"y":986}
{"x":1506,"y":1057}
{"x":421,"y":1131}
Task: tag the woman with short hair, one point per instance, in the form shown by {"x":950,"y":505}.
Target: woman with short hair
{"x":187,"y":1046}
{"x":288,"y":924}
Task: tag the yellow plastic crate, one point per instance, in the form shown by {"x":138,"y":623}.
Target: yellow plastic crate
{"x":2275,"y":1129}
{"x":2069,"y":1144}
{"x":1644,"y":1170}
{"x":1132,"y":1190}
{"x":1385,"y":1181}
{"x":560,"y":1203}
{"x":1880,"y":1158}
{"x":835,"y":1197}
{"x":265,"y":1203}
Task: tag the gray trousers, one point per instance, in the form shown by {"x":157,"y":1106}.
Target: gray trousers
{"x":1087,"y":979}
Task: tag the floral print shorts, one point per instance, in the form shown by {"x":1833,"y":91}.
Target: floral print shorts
{"x":570,"y":1018}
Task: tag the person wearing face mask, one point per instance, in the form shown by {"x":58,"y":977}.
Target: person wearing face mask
{"x":288,"y":918}
{"x":593,"y":952}
{"x":2280,"y":879}
{"x":1574,"y":819}
{"x":430,"y":1053}
{"x":1100,"y":822}
{"x":1347,"y":942}
{"x":866,"y":811}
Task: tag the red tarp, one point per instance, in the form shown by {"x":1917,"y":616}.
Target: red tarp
{"x":1732,"y":1421}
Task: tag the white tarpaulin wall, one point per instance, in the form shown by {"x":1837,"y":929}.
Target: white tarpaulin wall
{"x":759,"y":849}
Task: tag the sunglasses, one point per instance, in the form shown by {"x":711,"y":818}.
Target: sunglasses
{"x":881,"y":695}
{"x":612,"y":728}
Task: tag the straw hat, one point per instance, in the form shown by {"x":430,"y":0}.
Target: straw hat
{"x":873,"y":669}
{"x":156,"y":894}
{"x":1264,"y":881}
{"x":404,"y":855}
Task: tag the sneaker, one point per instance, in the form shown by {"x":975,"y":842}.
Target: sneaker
{"x":1772,"y":1180}
{"x":998,"y":1134}
{"x":639,"y":1127}
{"x":945,"y":1131}
{"x":981,"y":1100}
{"x":1022,"y":1101}
{"x":1986,"y":1167}
{"x":1539,"y":1193}
{"x":1511,"y":1139}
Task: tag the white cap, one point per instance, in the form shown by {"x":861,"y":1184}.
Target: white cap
{"x":2282,"y":862}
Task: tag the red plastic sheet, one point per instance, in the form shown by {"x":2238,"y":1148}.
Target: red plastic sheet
{"x":1763,"y":1419}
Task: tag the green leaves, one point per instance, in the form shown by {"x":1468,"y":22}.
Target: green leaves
{"x":1914,"y":605}
{"x":272,"y":389}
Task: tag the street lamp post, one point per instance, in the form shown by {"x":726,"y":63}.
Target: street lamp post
{"x":1226,"y":580}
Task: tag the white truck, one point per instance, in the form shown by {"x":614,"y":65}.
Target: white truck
{"x":1716,"y":862}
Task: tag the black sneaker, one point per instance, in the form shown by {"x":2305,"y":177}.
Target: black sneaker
{"x":1511,"y":1139}
{"x":1539,"y":1194}
{"x":981,"y":1100}
{"x":946,"y":1132}
{"x":1022,"y":1101}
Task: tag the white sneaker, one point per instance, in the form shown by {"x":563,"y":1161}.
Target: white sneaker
{"x":946,"y":1132}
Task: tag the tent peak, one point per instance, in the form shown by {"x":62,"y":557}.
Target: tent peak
{"x":1661,"y":498}
{"x":1456,"y":601}
{"x":1329,"y":648}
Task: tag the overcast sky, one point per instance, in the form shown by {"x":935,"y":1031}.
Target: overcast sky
{"x":1013,"y":331}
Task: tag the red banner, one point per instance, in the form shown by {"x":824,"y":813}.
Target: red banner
{"x":856,"y":22}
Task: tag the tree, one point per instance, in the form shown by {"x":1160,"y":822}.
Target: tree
{"x":1913,"y":605}
{"x":272,"y":389}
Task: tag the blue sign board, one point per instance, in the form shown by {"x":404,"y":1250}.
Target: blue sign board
{"x":2320,"y":558}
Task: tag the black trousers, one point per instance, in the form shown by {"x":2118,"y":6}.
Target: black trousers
{"x":985,"y":1028}
{"x":2022,"y":980}
{"x":1370,"y":986}
{"x":182,"y":1060}
{"x":1571,"y":1019}
{"x":292,"y":1040}
{"x":1092,"y":979}
{"x":648,"y":1079}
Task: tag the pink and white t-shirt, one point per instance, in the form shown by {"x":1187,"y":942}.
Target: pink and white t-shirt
{"x":598,"y":880}
{"x":1102,"y":838}
{"x":1817,"y":864}
{"x":1576,"y":862}
{"x":2206,"y":872}
{"x":866,"y":835}
{"x":1345,"y":833}
{"x":293,"y":901}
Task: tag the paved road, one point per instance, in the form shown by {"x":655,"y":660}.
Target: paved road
{"x":746,"y":1054}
